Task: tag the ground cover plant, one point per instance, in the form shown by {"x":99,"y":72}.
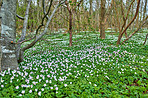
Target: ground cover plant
{"x":92,"y":68}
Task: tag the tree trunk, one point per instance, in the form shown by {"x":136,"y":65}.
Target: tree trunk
{"x":70,"y":28}
{"x":121,"y":34}
{"x":37,"y":36}
{"x":144,"y":10}
{"x":19,"y":52}
{"x":90,"y":8}
{"x":8,"y":35}
{"x":145,"y":39}
{"x":102,"y":19}
{"x":0,"y":36}
{"x":0,"y":46}
{"x":138,"y":28}
{"x":137,"y":21}
{"x":0,"y":55}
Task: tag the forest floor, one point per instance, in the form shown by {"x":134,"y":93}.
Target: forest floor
{"x":91,"y":68}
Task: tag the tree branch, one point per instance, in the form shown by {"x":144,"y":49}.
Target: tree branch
{"x":129,"y":9}
{"x":42,"y":22}
{"x":137,"y":10}
{"x":145,"y":21}
{"x":20,"y":17}
{"x":67,"y":6}
{"x":77,"y":4}
{"x":23,"y":35}
{"x":125,"y":18}
{"x":145,"y":39}
{"x":25,"y":23}
{"x":44,"y":10}
{"x":45,"y":30}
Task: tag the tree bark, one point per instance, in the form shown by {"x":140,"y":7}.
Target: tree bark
{"x":0,"y":36}
{"x":23,"y":35}
{"x":70,"y":28}
{"x":144,"y":10}
{"x":37,"y":36}
{"x":144,"y":22}
{"x":102,"y":19}
{"x":121,"y":34}
{"x":8,"y":35}
{"x":90,"y":8}
{"x":70,"y":9}
{"x":0,"y":46}
{"x":145,"y":39}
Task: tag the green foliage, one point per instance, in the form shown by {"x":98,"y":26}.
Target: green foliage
{"x":90,"y":69}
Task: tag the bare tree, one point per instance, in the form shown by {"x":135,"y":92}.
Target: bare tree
{"x":11,"y":55}
{"x":102,"y":19}
{"x":70,"y":9}
{"x":23,"y":35}
{"x":37,"y":37}
{"x":144,"y":22}
{"x":121,"y":34}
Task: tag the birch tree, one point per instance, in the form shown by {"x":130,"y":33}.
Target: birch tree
{"x":12,"y":51}
{"x":0,"y":36}
{"x":8,"y":34}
